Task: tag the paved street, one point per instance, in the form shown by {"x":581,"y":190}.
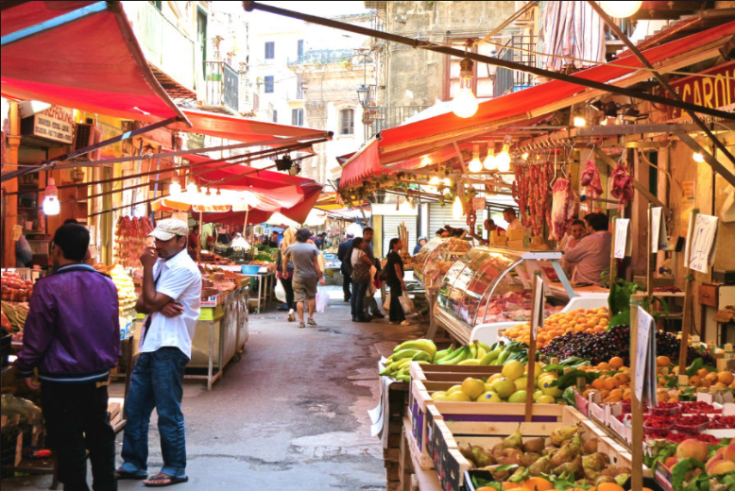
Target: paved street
{"x":291,"y":415}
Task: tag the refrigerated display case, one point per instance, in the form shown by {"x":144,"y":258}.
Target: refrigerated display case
{"x":488,"y":286}
{"x":436,"y":257}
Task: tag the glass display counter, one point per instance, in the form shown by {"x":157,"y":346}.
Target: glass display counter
{"x":436,"y":258}
{"x":489,"y":285}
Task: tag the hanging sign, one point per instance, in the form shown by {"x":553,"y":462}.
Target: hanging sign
{"x":55,"y":123}
{"x":715,"y":90}
{"x":479,"y":203}
{"x":645,"y":359}
{"x":701,"y":252}
{"x":623,"y":247}
{"x":17,"y":231}
{"x":659,"y":239}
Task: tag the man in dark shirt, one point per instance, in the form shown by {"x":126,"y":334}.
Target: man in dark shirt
{"x":342,"y":255}
{"x":74,"y":344}
{"x":371,"y":306}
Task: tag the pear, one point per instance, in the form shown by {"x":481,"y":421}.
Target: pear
{"x":467,"y":453}
{"x":514,"y":441}
{"x":511,"y":456}
{"x":576,"y":444}
{"x":481,"y":457}
{"x":535,"y":445}
{"x":604,"y":479}
{"x":590,"y":446}
{"x":549,"y":451}
{"x":563,"y":455}
{"x":530,"y":458}
{"x":498,"y":475}
{"x":590,"y":475}
{"x":498,"y":450}
{"x":518,"y":475}
{"x":621,"y":479}
{"x":561,"y":435}
{"x":573,"y":467}
{"x":541,"y":466}
{"x":597,"y":461}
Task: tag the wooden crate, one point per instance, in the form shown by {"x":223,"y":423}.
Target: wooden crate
{"x":448,"y":436}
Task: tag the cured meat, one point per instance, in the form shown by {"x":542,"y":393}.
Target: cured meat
{"x":622,"y":185}
{"x":591,"y":180}
{"x":562,"y":208}
{"x":130,"y":236}
{"x":520,"y":193}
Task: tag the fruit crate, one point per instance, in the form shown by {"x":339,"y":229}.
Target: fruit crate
{"x":448,"y":436}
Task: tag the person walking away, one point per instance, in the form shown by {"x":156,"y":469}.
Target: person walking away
{"x":371,"y":306}
{"x":74,"y":347}
{"x":360,"y":279}
{"x":394,"y":272}
{"x":592,"y":254}
{"x":343,"y":256}
{"x":307,"y":274}
{"x":285,"y":271}
{"x":172,"y":288}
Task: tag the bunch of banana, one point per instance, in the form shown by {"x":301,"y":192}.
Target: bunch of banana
{"x":418,"y":350}
{"x":476,"y":353}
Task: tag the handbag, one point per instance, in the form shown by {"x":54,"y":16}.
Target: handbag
{"x":360,"y":272}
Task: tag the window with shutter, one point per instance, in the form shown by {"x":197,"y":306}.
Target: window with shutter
{"x":270,"y":50}
{"x":347,"y":122}
{"x":297,"y":117}
{"x":269,"y":83}
{"x":275,"y":116}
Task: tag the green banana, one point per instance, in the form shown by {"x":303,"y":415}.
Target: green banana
{"x":419,"y":344}
{"x":485,"y":360}
{"x":503,"y":356}
{"x":421,"y":356}
{"x":495,"y":353}
{"x":450,"y":355}
{"x":406,"y":353}
{"x":462,"y":355}
{"x":403,"y":378}
{"x":485,"y":346}
{"x":441,"y":354}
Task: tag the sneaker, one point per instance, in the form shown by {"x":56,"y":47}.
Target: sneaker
{"x":378,"y":315}
{"x":302,"y":325}
{"x":311,"y":322}
{"x":291,"y":316}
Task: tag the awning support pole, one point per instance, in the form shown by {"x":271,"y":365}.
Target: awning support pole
{"x":632,"y":47}
{"x":82,"y":151}
{"x":708,"y":157}
{"x":59,"y":21}
{"x":416,"y":43}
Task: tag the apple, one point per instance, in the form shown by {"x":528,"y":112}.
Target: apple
{"x":722,"y":468}
{"x":729,"y":452}
{"x":692,"y":449}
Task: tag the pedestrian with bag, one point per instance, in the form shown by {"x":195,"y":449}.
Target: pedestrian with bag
{"x":343,"y":255}
{"x":284,"y":273}
{"x":307,"y":273}
{"x":172,"y":288}
{"x":74,"y":347}
{"x":361,"y":278}
{"x":394,"y":276}
{"x":371,"y":306}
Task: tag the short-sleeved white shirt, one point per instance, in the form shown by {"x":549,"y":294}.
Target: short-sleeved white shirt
{"x":181,"y":280}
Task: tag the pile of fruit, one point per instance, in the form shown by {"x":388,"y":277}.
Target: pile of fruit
{"x":509,"y":386}
{"x":696,"y":465}
{"x":557,"y":325}
{"x":14,"y":319}
{"x":123,"y":282}
{"x":541,"y":463}
{"x":15,"y":289}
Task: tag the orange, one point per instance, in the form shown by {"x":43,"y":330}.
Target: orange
{"x":621,"y":378}
{"x":538,"y":484}
{"x":726,"y":378}
{"x":712,"y":377}
{"x":616,"y":362}
{"x":610,"y":384}
{"x":510,"y":485}
{"x":695,"y":381}
{"x":663,"y":361}
{"x":702,"y":372}
{"x":603,"y":366}
{"x":608,"y":486}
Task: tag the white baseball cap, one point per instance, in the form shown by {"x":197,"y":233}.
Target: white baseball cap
{"x":169,"y":228}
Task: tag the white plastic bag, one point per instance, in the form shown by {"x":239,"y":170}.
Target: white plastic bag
{"x":280,"y":292}
{"x":322,"y":300}
{"x":371,"y":285}
{"x":386,"y":304}
{"x":407,"y":304}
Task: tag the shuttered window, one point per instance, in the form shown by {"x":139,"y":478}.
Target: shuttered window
{"x":347,"y":122}
{"x":270,"y":50}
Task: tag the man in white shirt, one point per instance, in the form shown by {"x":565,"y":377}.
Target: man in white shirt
{"x":172,"y":288}
{"x":592,"y":254}
{"x":509,"y":214}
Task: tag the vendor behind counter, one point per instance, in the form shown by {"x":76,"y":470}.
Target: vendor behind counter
{"x":592,"y":255}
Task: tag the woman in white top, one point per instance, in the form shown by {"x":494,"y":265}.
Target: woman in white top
{"x":360,"y":279}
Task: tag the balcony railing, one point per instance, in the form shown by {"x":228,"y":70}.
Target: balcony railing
{"x":164,"y":45}
{"x":222,"y":85}
{"x":511,"y":80}
{"x":322,"y":56}
{"x":377,"y":119}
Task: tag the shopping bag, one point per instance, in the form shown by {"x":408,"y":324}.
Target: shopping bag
{"x":372,"y":288}
{"x":386,"y":304}
{"x":322,"y":300}
{"x":407,"y":304}
{"x":280,"y":292}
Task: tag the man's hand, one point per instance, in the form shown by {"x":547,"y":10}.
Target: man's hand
{"x":322,"y":281}
{"x":149,"y":257}
{"x":172,"y":309}
{"x":31,"y":384}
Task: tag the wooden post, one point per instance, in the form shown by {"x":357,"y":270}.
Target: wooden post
{"x":636,"y":405}
{"x":651,"y":261}
{"x":613,"y":261}
{"x":199,"y":242}
{"x":537,"y":317}
{"x":686,"y":322}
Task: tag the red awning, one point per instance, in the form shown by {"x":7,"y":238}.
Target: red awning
{"x":414,"y":139}
{"x":82,"y":55}
{"x":241,"y":129}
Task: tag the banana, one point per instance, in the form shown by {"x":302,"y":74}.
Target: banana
{"x":480,"y":353}
{"x":421,"y":356}
{"x":471,"y":362}
{"x":403,"y":378}
{"x":441,"y":354}
{"x":450,"y":355}
{"x":456,"y":356}
{"x":419,"y":344}
{"x":484,"y":346}
{"x":406,"y":353}
{"x":485,"y":361}
{"x":473,"y":350}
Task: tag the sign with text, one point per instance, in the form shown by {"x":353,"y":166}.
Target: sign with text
{"x":622,"y":244}
{"x":713,"y":88}
{"x":55,"y":123}
{"x":658,"y":235}
{"x":645,"y":359}
{"x":701,"y":250}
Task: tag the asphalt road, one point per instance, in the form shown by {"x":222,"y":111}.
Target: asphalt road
{"x":291,"y":415}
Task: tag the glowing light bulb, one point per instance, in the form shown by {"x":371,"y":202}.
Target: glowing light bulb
{"x":579,"y":122}
{"x":191,"y":188}
{"x":51,"y":205}
{"x":457,"y":211}
{"x":698,"y":157}
{"x":620,"y":10}
{"x":525,"y":156}
{"x":425,"y":160}
{"x":447,"y":181}
{"x":434,"y":181}
{"x":475,"y":165}
{"x":465,"y":103}
{"x":503,"y":163}
{"x":174,"y":188}
{"x":490,"y":163}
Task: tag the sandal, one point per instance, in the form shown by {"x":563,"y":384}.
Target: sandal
{"x":160,"y":480}
{"x":301,"y":325}
{"x":121,"y":475}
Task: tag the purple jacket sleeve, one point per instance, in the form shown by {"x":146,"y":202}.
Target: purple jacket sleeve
{"x":38,"y":331}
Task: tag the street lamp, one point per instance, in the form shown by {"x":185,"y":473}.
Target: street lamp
{"x":363,"y":94}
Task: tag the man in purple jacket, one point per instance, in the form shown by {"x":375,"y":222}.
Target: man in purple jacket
{"x":72,"y":335}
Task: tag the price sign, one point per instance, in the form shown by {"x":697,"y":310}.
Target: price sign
{"x":17,"y":231}
{"x":659,"y":239}
{"x":622,"y":246}
{"x":538,"y":307}
{"x":645,"y":358}
{"x":701,"y":250}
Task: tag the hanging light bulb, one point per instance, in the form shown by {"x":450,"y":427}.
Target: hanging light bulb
{"x":434,"y":181}
{"x":447,"y":182}
{"x":475,"y":164}
{"x":490,"y":163}
{"x":457,"y":211}
{"x":502,"y":160}
{"x":174,"y":188}
{"x":621,"y":10}
{"x":465,"y":103}
{"x":698,"y":157}
{"x":51,"y":205}
{"x":425,"y":160}
{"x":191,"y":188}
{"x":579,"y":122}
{"x":525,"y":156}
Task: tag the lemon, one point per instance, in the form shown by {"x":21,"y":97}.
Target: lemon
{"x":546,"y":400}
{"x":453,"y":389}
{"x":537,"y":394}
{"x":494,"y":378}
{"x":489,"y":396}
{"x":439,"y":396}
{"x":473,"y":387}
{"x":518,"y":396}
{"x":504,"y":388}
{"x":521,"y":383}
{"x":513,"y":370}
{"x":458,"y":396}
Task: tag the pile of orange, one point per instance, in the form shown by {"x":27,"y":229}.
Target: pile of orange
{"x":541,"y":484}
{"x":705,"y":378}
{"x":580,"y":320}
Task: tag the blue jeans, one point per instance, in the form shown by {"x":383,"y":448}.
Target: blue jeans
{"x":157,"y":382}
{"x":358,"y":297}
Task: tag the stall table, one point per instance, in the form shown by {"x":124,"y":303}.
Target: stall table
{"x":266,"y":285}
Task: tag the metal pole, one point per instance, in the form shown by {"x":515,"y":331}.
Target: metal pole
{"x":416,"y":43}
